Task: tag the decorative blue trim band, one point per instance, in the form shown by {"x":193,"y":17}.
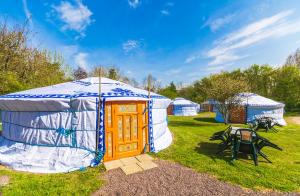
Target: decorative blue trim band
{"x":151,"y":138}
{"x":63,"y":96}
{"x":101,"y":139}
{"x":116,"y":92}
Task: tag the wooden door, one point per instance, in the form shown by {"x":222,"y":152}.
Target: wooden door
{"x":238,"y":114}
{"x":126,"y":129}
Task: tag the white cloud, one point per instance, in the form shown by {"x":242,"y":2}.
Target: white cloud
{"x":227,"y":57}
{"x":165,"y":12}
{"x":170,"y":4}
{"x":216,"y":24}
{"x":74,"y":16}
{"x":134,"y":3}
{"x":191,"y":58}
{"x":229,"y":48}
{"x":81,"y":60}
{"x":131,"y":45}
{"x":27,"y":12}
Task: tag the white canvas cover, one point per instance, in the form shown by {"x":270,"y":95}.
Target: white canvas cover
{"x":183,"y":107}
{"x":259,"y":106}
{"x":53,"y":129}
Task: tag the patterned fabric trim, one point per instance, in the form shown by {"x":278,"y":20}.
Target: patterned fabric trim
{"x":66,"y":96}
{"x":101,"y":139}
{"x":151,"y":139}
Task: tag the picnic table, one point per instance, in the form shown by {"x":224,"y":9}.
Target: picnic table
{"x":244,"y":140}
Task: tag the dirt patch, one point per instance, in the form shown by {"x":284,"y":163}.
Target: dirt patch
{"x":169,"y":179}
{"x":295,"y":120}
{"x":4,"y":180}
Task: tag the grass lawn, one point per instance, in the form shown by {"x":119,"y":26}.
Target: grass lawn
{"x":75,"y":183}
{"x":192,"y":148}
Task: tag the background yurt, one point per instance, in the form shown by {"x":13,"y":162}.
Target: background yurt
{"x":208,"y":106}
{"x":183,"y":107}
{"x":68,"y":126}
{"x":253,"y":106}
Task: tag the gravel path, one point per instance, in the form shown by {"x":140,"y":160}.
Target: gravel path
{"x":169,"y":179}
{"x":295,"y":120}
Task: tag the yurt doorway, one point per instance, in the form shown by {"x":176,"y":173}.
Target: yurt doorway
{"x":238,"y":114}
{"x":126,"y":128}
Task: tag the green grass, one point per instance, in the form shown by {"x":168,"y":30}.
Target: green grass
{"x":75,"y":183}
{"x":192,"y":148}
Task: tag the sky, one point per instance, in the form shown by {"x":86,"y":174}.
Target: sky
{"x":174,"y":40}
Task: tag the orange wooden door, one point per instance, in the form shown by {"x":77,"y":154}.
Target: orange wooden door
{"x":125,"y":129}
{"x":238,"y":114}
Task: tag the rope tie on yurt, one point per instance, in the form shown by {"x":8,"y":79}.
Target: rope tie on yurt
{"x":65,"y":132}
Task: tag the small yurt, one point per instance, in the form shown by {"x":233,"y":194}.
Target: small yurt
{"x":254,"y":106}
{"x":69,"y":126}
{"x":208,"y":106}
{"x":183,"y":107}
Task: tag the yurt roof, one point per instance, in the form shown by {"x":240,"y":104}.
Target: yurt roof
{"x":252,"y":99}
{"x":59,"y":96}
{"x":88,"y":87}
{"x":182,"y":101}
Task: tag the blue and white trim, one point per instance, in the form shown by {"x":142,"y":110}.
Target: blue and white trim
{"x":101,"y":139}
{"x":150,"y":126}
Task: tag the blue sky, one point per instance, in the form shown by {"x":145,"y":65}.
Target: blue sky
{"x":179,"y":41}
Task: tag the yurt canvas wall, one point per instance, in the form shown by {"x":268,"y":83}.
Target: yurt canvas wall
{"x":183,"y":107}
{"x":54,"y":129}
{"x":253,"y":106}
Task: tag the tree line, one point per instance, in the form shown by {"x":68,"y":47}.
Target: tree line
{"x":278,"y":83}
{"x":24,"y":67}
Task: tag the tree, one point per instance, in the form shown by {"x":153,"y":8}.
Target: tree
{"x":169,"y":91}
{"x":260,"y":79}
{"x":22,"y":65}
{"x":80,"y":73}
{"x":114,"y":73}
{"x":287,"y":86}
{"x":294,"y":59}
{"x":224,"y":90}
{"x":151,"y":83}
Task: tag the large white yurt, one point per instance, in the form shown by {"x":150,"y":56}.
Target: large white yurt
{"x":254,"y":106}
{"x":66,"y":127}
{"x":183,"y":107}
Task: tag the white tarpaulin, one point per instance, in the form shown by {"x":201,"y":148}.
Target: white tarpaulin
{"x":183,"y":107}
{"x":53,"y":129}
{"x":258,"y":106}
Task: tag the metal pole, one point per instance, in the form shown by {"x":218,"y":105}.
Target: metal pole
{"x":149,"y":84}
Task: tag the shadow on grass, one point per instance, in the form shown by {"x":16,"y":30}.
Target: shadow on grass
{"x":209,"y":149}
{"x":206,"y":119}
{"x":190,"y":124}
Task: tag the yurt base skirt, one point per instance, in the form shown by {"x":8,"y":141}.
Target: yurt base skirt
{"x":41,"y":159}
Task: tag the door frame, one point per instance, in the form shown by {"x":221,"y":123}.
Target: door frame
{"x":111,"y":129}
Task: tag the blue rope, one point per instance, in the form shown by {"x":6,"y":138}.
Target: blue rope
{"x":65,"y":132}
{"x":47,"y":145}
{"x":39,"y":128}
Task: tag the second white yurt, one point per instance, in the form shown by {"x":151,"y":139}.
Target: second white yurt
{"x":183,"y":107}
{"x":68,"y":126}
{"x":254,"y":106}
